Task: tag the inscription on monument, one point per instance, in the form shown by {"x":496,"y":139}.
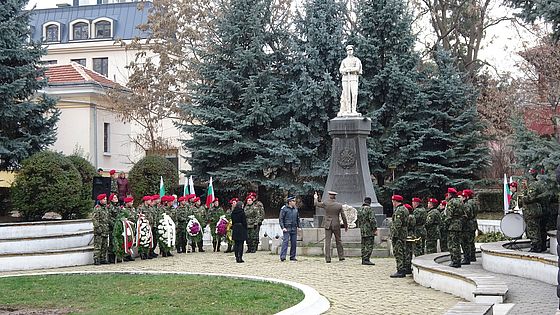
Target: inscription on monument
{"x":345,"y":183}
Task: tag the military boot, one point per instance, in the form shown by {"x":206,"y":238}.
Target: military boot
{"x":200,"y":249}
{"x":96,"y":261}
{"x":455,"y":265}
{"x":408,"y":271}
{"x":367,"y":262}
{"x":228,"y":249}
{"x":214,"y":245}
{"x":398,"y":274}
{"x":465,"y":261}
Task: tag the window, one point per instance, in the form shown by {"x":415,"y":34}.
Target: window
{"x":51,"y":33}
{"x":79,"y":61}
{"x":101,"y":66}
{"x":80,"y":30}
{"x":106,"y":137}
{"x":48,"y":62}
{"x":103,"y":29}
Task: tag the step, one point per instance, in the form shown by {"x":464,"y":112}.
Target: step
{"x":40,"y":228}
{"x":47,"y":259}
{"x":469,"y":308}
{"x":46,"y":242}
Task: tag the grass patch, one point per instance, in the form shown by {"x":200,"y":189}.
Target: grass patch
{"x":147,"y":294}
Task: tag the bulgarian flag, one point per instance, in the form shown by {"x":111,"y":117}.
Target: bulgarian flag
{"x":210,"y":194}
{"x":191,"y":186}
{"x":161,"y":188}
{"x":186,"y":187}
{"x":507,"y":194}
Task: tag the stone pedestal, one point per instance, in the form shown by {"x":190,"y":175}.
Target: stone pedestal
{"x":349,"y":172}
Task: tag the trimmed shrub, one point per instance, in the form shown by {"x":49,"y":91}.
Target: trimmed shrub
{"x":47,"y":182}
{"x":491,"y":237}
{"x":87,"y":172}
{"x":490,"y":200}
{"x":145,"y":174}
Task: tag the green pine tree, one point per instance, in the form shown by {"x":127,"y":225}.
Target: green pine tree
{"x":299,"y":150}
{"x":239,"y":100}
{"x":389,"y":90}
{"x":454,"y":148}
{"x":28,"y":124}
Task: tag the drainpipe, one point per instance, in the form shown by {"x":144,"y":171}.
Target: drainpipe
{"x":96,"y":158}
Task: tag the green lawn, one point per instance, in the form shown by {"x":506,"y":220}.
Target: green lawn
{"x":146,"y":294}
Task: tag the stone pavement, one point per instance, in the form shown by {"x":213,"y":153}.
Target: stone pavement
{"x":529,"y":296}
{"x":350,"y":287}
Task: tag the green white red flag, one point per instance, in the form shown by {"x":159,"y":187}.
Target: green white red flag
{"x":210,"y":194}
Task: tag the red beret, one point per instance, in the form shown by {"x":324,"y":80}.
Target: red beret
{"x":128,"y":199}
{"x":215,"y":199}
{"x":232,"y":200}
{"x":111,"y":172}
{"x":468,"y":193}
{"x":146,"y":198}
{"x":156,"y":197}
{"x":171,"y":198}
{"x":182,"y":198}
{"x":111,"y":197}
{"x":397,"y":198}
{"x":451,"y":190}
{"x":253,"y":193}
{"x":433,"y":200}
{"x":250,"y":196}
{"x":513,"y":184}
{"x":101,"y":196}
{"x":190,"y":196}
{"x":196,"y":199}
{"x":416,"y":199}
{"x":444,"y":203}
{"x":409,"y":207}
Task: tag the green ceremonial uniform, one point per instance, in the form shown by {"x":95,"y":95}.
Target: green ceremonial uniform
{"x":410,"y":244}
{"x":100,"y":219}
{"x":456,"y":212}
{"x":255,"y":216}
{"x":433,"y":223}
{"x":420,"y":214}
{"x":214,"y":214}
{"x":443,"y":230}
{"x":399,"y":233}
{"x":114,"y":210}
{"x":181,"y":213}
{"x":472,"y":226}
{"x":532,"y":213}
{"x":367,"y":224}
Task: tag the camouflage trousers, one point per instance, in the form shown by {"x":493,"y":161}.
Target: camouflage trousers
{"x":443,"y":241}
{"x":409,"y":250}
{"x":454,"y":239}
{"x":252,"y":239}
{"x":367,"y":247}
{"x":399,"y":252}
{"x":100,"y":247}
{"x":419,"y":246}
{"x":431,"y":246}
{"x":467,"y":243}
{"x":181,"y":238}
{"x":533,"y":232}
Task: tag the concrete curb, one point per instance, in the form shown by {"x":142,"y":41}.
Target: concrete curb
{"x":313,"y":302}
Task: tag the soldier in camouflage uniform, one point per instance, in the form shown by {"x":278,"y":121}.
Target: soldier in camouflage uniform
{"x":181,"y":215}
{"x":420,"y":215}
{"x":532,"y":210}
{"x":154,"y":219}
{"x":457,"y":218}
{"x":472,"y":225}
{"x":444,"y":227}
{"x":399,"y":233}
{"x":199,"y":211}
{"x":100,"y":219}
{"x":433,"y":223}
{"x":368,"y":228}
{"x":214,"y":214}
{"x":114,"y":210}
{"x":254,"y":211}
{"x":411,"y":240}
{"x":114,"y":186}
{"x":514,"y":201}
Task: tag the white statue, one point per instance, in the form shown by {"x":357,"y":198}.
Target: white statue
{"x":351,"y":215}
{"x":350,"y":68}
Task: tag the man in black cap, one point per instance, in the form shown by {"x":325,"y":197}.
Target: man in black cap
{"x":331,"y":224}
{"x":289,"y":223}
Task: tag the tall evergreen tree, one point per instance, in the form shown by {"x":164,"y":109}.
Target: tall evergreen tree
{"x":239,"y":100}
{"x":28,"y":125}
{"x":299,"y":150}
{"x":389,"y":90}
{"x":454,"y":147}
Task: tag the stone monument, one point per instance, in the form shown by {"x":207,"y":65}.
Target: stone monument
{"x":349,"y":172}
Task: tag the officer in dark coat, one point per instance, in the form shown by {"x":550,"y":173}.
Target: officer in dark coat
{"x":239,"y":232}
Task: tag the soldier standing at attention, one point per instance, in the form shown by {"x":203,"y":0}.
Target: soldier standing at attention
{"x":433,"y":223}
{"x":114,"y":210}
{"x":457,"y":218}
{"x":368,"y":229}
{"x":214,"y":214}
{"x":99,"y":217}
{"x":253,"y":216}
{"x":199,"y":212}
{"x":443,"y":228}
{"x":532,"y":209}
{"x":514,"y":202}
{"x":333,"y":210}
{"x":181,"y":215}
{"x":420,"y":215}
{"x":114,"y":186}
{"x":411,"y":240}
{"x":472,"y":225}
{"x":399,"y":233}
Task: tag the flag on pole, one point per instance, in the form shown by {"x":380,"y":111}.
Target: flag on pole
{"x":210,"y":194}
{"x":186,"y":187}
{"x":507,"y":194}
{"x":161,"y":188}
{"x":191,"y":186}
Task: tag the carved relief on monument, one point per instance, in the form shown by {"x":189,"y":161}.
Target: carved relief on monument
{"x":351,"y":215}
{"x":346,"y":158}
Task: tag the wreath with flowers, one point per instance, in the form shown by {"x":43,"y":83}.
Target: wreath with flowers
{"x":166,"y":232}
{"x":144,"y":237}
{"x":193,"y":227}
{"x":222,"y":226}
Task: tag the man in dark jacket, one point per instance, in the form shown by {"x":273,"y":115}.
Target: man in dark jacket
{"x":239,"y":230}
{"x":289,"y":223}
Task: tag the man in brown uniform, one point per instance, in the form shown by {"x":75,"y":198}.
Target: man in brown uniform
{"x":331,"y":223}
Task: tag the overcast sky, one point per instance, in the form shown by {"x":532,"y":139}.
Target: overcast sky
{"x":500,"y":49}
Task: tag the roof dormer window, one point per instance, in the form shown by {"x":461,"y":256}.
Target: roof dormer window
{"x":51,"y":32}
{"x":79,"y":30}
{"x":103,"y":28}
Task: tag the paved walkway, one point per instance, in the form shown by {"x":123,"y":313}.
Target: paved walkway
{"x":350,"y":287}
{"x":530,"y":296}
